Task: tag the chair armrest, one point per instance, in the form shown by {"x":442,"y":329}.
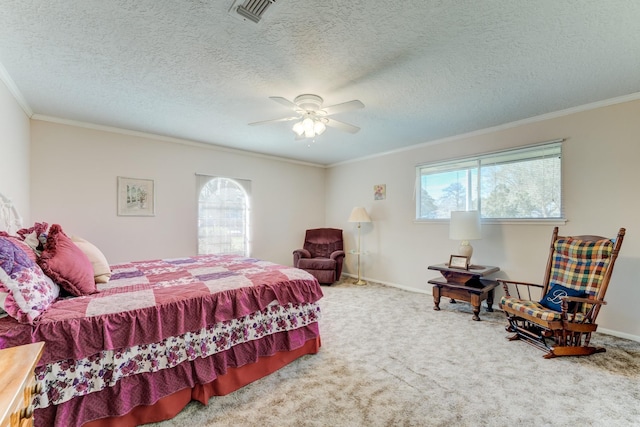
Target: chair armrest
{"x":513,"y":282}
{"x":571,"y":315}
{"x":302,"y":253}
{"x":583,"y":300}
{"x":337,"y":254}
{"x":517,"y":285}
{"x":298,"y":254}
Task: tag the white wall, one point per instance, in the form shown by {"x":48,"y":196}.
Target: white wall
{"x":14,"y":151}
{"x":600,"y":161}
{"x":74,"y":174}
{"x":73,"y":182}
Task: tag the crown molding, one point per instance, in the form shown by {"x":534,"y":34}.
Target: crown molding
{"x":586,"y":107}
{"x":11,"y":85}
{"x":169,"y":139}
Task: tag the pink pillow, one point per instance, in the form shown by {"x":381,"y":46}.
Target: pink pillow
{"x":66,"y":264}
{"x":38,"y":227}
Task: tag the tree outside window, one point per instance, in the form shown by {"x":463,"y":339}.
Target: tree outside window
{"x":521,"y":184}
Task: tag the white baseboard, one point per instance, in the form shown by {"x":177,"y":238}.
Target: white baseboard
{"x":393,"y":285}
{"x":619,"y":334}
{"x":428,"y":292}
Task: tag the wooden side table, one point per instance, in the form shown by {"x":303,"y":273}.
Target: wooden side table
{"x":18,"y":384}
{"x":466,"y":285}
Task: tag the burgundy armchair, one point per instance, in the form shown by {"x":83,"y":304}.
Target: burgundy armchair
{"x":322,"y":254}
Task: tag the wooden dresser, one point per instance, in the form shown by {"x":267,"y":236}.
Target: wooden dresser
{"x":18,"y":384}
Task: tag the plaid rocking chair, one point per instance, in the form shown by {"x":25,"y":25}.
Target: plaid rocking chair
{"x":576,"y":279}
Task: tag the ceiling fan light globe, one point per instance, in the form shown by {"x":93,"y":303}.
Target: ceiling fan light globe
{"x":308,"y":124}
{"x":298,"y":128}
{"x":319,"y":127}
{"x":309,"y":133}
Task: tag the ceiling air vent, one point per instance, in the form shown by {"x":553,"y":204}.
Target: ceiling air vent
{"x":250,"y":9}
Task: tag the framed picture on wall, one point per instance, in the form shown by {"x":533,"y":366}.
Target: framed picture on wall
{"x":379,"y":191}
{"x":136,"y":197}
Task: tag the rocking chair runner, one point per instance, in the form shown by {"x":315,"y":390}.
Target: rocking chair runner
{"x":576,"y":279}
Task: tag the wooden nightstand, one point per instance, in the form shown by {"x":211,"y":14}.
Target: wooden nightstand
{"x":466,"y":285}
{"x":18,"y":384}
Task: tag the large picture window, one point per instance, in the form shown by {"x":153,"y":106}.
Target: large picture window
{"x":223,"y":216}
{"x":519,"y":184}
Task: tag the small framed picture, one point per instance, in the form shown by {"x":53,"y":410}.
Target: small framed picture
{"x":459,"y":261}
{"x":136,"y":197}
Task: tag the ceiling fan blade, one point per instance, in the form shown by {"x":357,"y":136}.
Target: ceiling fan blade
{"x":344,"y":107}
{"x":284,"y":119}
{"x":342,"y":126}
{"x":283,"y":101}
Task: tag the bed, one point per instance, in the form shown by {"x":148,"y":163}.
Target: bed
{"x":141,"y":344}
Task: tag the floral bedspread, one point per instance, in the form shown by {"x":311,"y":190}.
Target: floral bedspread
{"x":148,"y":301}
{"x":153,"y":315}
{"x":66,"y":379}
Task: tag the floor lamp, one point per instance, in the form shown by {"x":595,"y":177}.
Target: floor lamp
{"x":359,"y":215}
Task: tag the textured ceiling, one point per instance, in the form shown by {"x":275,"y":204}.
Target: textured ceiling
{"x":425,"y":69}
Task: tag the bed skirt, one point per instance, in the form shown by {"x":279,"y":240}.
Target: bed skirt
{"x":155,"y":395}
{"x":235,"y":378}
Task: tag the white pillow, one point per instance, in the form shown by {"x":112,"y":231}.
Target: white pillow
{"x":101,"y":269}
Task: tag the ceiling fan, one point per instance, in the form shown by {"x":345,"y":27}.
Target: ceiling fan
{"x":311,"y":118}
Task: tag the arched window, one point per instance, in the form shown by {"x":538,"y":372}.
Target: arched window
{"x":223,"y":216}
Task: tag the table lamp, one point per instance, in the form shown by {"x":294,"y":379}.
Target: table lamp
{"x":359,"y":215}
{"x":465,"y":226}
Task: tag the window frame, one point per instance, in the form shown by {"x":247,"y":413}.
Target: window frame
{"x":245,"y":187}
{"x":467,"y":162}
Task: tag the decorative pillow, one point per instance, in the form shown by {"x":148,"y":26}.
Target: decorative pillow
{"x":25,"y":292}
{"x":553,"y":298}
{"x":38,"y":227}
{"x":66,"y":264}
{"x":101,"y":269}
{"x":22,"y":245}
{"x":35,"y":236}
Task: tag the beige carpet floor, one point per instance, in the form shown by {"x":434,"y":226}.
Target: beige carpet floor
{"x":389,"y":359}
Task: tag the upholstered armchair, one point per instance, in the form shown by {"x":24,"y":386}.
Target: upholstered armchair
{"x":322,"y":254}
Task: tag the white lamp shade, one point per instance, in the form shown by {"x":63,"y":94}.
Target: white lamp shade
{"x":465,"y":225}
{"x":359,"y":214}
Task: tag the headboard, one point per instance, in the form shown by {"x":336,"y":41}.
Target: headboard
{"x":10,"y":219}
